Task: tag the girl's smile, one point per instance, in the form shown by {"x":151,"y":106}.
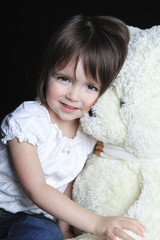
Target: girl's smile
{"x":68,"y":108}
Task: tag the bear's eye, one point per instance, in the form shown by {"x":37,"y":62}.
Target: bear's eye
{"x":122,"y":103}
{"x":92,"y":113}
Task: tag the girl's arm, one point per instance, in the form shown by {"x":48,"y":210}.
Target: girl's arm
{"x":65,"y":227}
{"x":27,"y":165}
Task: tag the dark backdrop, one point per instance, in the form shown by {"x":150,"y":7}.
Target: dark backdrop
{"x":26,"y":27}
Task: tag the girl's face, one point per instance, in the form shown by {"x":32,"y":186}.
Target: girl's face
{"x":70,"y":94}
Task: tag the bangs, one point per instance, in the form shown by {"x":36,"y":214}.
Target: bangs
{"x":92,"y":66}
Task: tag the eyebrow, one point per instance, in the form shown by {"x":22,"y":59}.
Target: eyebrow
{"x":55,"y":73}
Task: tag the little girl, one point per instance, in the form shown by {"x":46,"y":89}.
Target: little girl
{"x":43,"y":148}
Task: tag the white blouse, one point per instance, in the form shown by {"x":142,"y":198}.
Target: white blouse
{"x":62,"y":158}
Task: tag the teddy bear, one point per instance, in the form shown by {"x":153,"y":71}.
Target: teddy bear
{"x":122,"y":176}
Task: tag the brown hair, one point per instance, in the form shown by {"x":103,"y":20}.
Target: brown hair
{"x":101,"y":42}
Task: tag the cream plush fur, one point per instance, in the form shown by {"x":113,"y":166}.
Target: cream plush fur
{"x":126,"y":181}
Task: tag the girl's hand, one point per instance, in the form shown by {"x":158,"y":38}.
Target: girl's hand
{"x":110,"y":227}
{"x":68,"y":235}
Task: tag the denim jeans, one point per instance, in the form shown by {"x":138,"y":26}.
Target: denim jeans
{"x":21,"y":226}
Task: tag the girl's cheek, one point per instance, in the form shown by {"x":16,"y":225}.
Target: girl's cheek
{"x":93,"y":101}
{"x":53,"y":92}
{"x":89,"y":105}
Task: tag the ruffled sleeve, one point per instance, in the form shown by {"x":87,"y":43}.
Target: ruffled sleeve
{"x":27,"y":123}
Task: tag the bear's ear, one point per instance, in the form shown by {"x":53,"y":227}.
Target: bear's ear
{"x":92,"y":113}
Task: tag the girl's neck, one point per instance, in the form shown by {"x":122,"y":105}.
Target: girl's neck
{"x":68,"y":128}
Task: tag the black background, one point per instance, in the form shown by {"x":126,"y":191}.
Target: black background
{"x":26,"y":27}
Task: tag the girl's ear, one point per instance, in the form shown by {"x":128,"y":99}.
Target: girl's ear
{"x":92,"y":113}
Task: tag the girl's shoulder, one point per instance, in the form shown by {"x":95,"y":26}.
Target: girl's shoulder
{"x":28,"y":108}
{"x":28,"y":122}
{"x":28,"y":112}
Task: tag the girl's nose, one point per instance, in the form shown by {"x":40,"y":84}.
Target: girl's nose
{"x":73,"y":94}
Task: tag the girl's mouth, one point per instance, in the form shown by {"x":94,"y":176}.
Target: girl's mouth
{"x":68,"y":108}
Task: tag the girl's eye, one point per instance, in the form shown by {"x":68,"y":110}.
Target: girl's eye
{"x":65,"y":79}
{"x":92,"y":88}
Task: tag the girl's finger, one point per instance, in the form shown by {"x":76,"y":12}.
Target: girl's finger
{"x":134,"y":226}
{"x":122,"y":234}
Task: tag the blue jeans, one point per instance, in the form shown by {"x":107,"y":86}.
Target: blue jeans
{"x":21,"y":226}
